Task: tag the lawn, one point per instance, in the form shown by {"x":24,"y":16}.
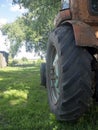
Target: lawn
{"x":24,"y":103}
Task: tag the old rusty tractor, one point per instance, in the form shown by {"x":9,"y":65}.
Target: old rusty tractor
{"x":71,"y":65}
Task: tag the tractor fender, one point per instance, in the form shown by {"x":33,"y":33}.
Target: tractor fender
{"x":84,"y":34}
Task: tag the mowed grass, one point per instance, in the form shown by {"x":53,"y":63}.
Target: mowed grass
{"x":24,"y":103}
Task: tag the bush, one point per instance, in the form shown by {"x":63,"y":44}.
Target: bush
{"x":14,"y":62}
{"x":24,"y":59}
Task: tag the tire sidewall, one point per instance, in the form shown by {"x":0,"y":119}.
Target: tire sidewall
{"x":53,"y":42}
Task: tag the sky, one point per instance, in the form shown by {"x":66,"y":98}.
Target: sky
{"x":9,"y":12}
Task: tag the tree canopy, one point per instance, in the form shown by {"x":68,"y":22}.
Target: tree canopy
{"x":34,"y":26}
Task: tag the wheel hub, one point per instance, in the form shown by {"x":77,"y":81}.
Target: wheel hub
{"x":55,"y":80}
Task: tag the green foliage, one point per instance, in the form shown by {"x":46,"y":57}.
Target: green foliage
{"x":40,"y":19}
{"x":13,"y":62}
{"x":24,"y":59}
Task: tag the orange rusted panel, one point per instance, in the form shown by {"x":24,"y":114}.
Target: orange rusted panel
{"x":62,"y":15}
{"x":85,"y":25}
{"x":80,"y":11}
{"x":85,"y":35}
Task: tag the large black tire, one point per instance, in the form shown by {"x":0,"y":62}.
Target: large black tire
{"x":43,"y":74}
{"x":69,"y":87}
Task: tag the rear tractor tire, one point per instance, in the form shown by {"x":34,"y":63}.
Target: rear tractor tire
{"x":69,"y":75}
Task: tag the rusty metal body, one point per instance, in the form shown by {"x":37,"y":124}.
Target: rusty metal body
{"x":80,"y":11}
{"x":85,"y":24}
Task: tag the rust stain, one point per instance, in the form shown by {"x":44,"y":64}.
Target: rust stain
{"x":80,"y":11}
{"x":62,"y":15}
{"x":84,"y":34}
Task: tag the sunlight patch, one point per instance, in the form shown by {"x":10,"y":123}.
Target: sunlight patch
{"x":1,"y":79}
{"x":16,"y":101}
{"x":22,"y":94}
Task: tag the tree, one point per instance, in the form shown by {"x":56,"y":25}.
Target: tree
{"x":34,"y":26}
{"x":15,"y":33}
{"x":41,"y":16}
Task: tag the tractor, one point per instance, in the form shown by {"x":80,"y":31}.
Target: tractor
{"x":71,"y":68}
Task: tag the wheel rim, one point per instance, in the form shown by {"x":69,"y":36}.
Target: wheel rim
{"x":54,"y":77}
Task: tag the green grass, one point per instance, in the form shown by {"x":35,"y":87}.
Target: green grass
{"x":24,"y":103}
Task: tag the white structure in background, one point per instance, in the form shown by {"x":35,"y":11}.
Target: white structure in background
{"x":4,"y":50}
{"x":29,"y":55}
{"x":4,"y":43}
